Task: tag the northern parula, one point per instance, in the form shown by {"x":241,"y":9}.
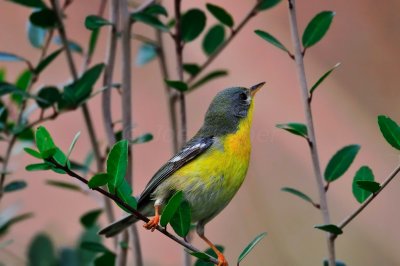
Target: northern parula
{"x":209,"y":169}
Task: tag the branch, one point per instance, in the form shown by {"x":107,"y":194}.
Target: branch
{"x":353,"y":215}
{"x":310,"y":127}
{"x":234,"y":32}
{"x":120,"y":202}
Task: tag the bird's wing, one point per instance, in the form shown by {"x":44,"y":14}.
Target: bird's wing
{"x":191,"y":150}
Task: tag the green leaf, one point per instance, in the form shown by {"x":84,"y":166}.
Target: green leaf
{"x":38,"y":167}
{"x":36,"y":35}
{"x":14,"y":186}
{"x":8,"y":57}
{"x":90,"y":218}
{"x":220,"y":14}
{"x":30,"y":3}
{"x":390,"y":131}
{"x":45,"y":143}
{"x":193,"y":23}
{"x":106,"y":259}
{"x":337,"y":263}
{"x":26,"y":135}
{"x":156,"y":9}
{"x":170,"y":209}
{"x":124,"y":192}
{"x":41,"y":251}
{"x":46,"y":61}
{"x":142,"y":139}
{"x":22,"y":83}
{"x":60,"y":157}
{"x":209,"y":251}
{"x":323,"y":77}
{"x":340,"y":162}
{"x":48,"y":97}
{"x":33,"y":153}
{"x":370,"y":186}
{"x":181,"y":220}
{"x":117,"y":163}
{"x":317,"y":28}
{"x":94,"y":247}
{"x":64,"y":185}
{"x":150,"y":20}
{"x":177,"y":84}
{"x":73,"y":46}
{"x":10,"y":221}
{"x":99,"y":180}
{"x":250,"y":246}
{"x":298,"y":129}
{"x":210,"y":76}
{"x":72,"y":145}
{"x":363,"y":174}
{"x":68,"y":257}
{"x":331,"y":228}
{"x":191,"y":69}
{"x":271,"y":39}
{"x":146,"y":53}
{"x":298,"y":194}
{"x":88,"y":235}
{"x":94,"y":36}
{"x":44,"y":18}
{"x":93,"y":22}
{"x":267,"y":4}
{"x":214,"y":39}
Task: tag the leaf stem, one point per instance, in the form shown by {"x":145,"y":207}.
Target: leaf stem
{"x":310,"y":126}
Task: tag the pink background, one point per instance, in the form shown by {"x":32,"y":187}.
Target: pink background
{"x":364,"y":37}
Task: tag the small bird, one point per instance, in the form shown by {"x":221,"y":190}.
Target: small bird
{"x":209,"y":169}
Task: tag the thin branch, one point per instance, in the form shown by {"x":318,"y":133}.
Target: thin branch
{"x":310,"y":126}
{"x":234,"y":32}
{"x":353,"y":215}
{"x":138,"y":215}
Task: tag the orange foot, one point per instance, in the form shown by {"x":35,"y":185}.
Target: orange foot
{"x":221,"y":260}
{"x":153,"y":223}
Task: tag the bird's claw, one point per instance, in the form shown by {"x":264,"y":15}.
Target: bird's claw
{"x":153,"y":223}
{"x":221,"y":260}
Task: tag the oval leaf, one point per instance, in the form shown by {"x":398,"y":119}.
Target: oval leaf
{"x":340,"y":162}
{"x":267,"y":4}
{"x":331,"y":228}
{"x":181,"y":220}
{"x":44,"y":18}
{"x":44,"y":142}
{"x":14,"y":186}
{"x":220,"y":14}
{"x":99,"y":180}
{"x":250,"y":246}
{"x":117,"y":163}
{"x":363,"y":174}
{"x":37,"y":167}
{"x":298,"y":129}
{"x":390,"y":131}
{"x":41,"y":251}
{"x":191,"y":69}
{"x":33,"y":153}
{"x":36,"y":35}
{"x":192,"y":24}
{"x":177,"y":84}
{"x":170,"y":209}
{"x":370,"y":186}
{"x":317,"y":28}
{"x":93,"y":22}
{"x":146,"y":53}
{"x":89,"y":219}
{"x":48,"y":96}
{"x":214,"y":39}
{"x":271,"y":39}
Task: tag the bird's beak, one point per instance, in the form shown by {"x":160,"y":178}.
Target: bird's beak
{"x":255,"y":88}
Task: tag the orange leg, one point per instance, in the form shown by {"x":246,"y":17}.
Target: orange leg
{"x":153,"y":223}
{"x":221,"y":258}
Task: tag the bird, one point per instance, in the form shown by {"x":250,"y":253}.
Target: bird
{"x":209,"y":169}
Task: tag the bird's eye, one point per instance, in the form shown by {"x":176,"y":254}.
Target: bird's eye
{"x":243,"y":96}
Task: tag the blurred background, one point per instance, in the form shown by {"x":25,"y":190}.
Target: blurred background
{"x":363,"y":37}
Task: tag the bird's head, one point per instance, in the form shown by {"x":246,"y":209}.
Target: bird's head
{"x":227,"y":109}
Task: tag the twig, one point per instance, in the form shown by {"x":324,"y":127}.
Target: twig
{"x":310,"y":126}
{"x":353,"y":215}
{"x":234,"y":32}
{"x":138,"y":215}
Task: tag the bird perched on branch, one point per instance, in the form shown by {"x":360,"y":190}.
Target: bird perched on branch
{"x":209,"y":169}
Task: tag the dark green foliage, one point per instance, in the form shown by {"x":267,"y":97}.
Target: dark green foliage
{"x":271,"y":39}
{"x":192,"y":24}
{"x":214,"y":39}
{"x":142,"y":139}
{"x":124,"y":192}
{"x":220,"y":14}
{"x":191,"y":69}
{"x":317,"y":28}
{"x":298,"y":129}
{"x":363,"y":174}
{"x":106,"y":259}
{"x":209,"y":251}
{"x":94,"y":22}
{"x":250,"y":247}
{"x":38,"y":167}
{"x":48,"y":97}
{"x":340,"y":162}
{"x":90,"y":218}
{"x":22,"y":83}
{"x":117,"y":163}
{"x":208,"y":77}
{"x":178,"y":85}
{"x":30,"y":3}
{"x":44,"y":18}
{"x":331,"y":228}
{"x":41,"y":251}
{"x":298,"y":194}
{"x":33,"y":153}
{"x":45,"y":143}
{"x":323,"y":77}
{"x":156,"y":9}
{"x":26,"y":134}
{"x":146,"y":53}
{"x":64,"y":185}
{"x":390,"y":131}
{"x":170,"y":208}
{"x":267,"y":4}
{"x":14,"y":186}
{"x":370,"y":186}
{"x":46,"y":61}
{"x":99,"y":179}
{"x":93,"y":41}
{"x":180,"y":221}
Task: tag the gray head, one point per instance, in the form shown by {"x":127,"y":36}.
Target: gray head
{"x":227,"y":109}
